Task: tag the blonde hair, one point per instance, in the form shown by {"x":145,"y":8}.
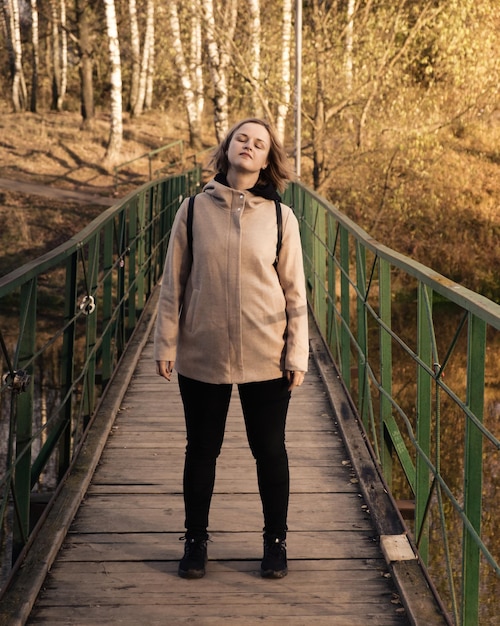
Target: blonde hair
{"x":278,"y":171}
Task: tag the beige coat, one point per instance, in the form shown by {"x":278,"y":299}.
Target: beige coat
{"x":230,"y":317}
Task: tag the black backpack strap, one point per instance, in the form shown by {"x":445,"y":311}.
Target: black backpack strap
{"x":190,"y":224}
{"x":279,"y":222}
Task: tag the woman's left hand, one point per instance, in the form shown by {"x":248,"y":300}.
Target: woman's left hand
{"x":295,"y":379}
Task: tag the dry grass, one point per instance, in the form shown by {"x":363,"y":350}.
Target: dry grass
{"x":435,"y":198}
{"x":51,"y":149}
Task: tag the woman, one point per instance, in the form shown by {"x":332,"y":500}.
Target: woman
{"x":230,"y":312}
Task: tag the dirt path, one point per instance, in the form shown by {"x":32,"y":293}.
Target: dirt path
{"x":80,"y":197}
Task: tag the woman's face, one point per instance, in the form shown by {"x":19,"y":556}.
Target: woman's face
{"x":249,"y":148}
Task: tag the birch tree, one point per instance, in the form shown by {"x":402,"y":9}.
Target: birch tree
{"x":148,"y":100}
{"x":349,"y":44}
{"x":85,"y":65}
{"x":19,"y":92}
{"x":59,"y":43}
{"x":135,"y":47}
{"x":196,"y":63}
{"x":116,"y":125}
{"x":285,"y":90}
{"x":35,"y":63}
{"x":255,"y":34}
{"x":54,"y":40}
{"x":218,"y":57}
{"x":189,"y":74}
{"x":147,"y":58}
{"x":64,"y":55}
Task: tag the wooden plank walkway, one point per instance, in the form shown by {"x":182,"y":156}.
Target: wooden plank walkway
{"x":118,"y":563}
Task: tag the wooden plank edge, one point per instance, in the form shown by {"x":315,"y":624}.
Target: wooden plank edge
{"x":418,"y":595}
{"x":18,"y":600}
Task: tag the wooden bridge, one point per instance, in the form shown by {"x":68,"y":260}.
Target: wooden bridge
{"x":118,"y":561}
{"x":105,"y":548}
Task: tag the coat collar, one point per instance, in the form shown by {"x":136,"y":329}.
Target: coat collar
{"x":266,"y":190}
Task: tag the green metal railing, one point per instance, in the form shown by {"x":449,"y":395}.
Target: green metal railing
{"x":419,"y":355}
{"x":65,"y":319}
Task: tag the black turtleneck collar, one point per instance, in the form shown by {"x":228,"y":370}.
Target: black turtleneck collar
{"x":266,"y":190}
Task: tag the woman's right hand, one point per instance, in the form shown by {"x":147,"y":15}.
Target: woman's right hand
{"x":164,"y":369}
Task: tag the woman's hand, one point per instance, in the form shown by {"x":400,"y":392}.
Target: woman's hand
{"x":295,"y":379}
{"x":164,"y":369}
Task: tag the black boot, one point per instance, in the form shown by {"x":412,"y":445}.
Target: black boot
{"x":274,"y":563}
{"x":192,"y":564}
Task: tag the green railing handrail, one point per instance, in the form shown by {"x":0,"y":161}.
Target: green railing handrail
{"x":350,"y":279}
{"x":72,"y":311}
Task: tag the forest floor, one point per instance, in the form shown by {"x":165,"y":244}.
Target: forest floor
{"x":54,"y":178}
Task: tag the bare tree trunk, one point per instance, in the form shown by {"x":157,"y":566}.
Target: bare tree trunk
{"x":56,"y":67}
{"x":59,"y":53}
{"x":19,"y":92}
{"x":147,"y":51}
{"x":64,"y":57}
{"x":349,"y":43}
{"x":318,"y":127}
{"x":196,"y":64}
{"x":85,"y":50}
{"x":218,"y":60}
{"x":187,"y":76}
{"x":254,"y":26}
{"x":285,"y":91}
{"x":135,"y":47}
{"x":148,"y":100}
{"x":116,"y":126}
{"x":35,"y":57}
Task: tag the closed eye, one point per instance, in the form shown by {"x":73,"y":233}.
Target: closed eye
{"x":241,"y":138}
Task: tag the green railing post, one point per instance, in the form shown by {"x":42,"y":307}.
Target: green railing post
{"x":141,"y":250}
{"x":107,"y":352}
{"x":318,"y":252}
{"x":24,"y":416}
{"x":308,"y":246}
{"x":89,"y":391}
{"x":132,"y":267}
{"x":160,"y":227}
{"x":473,"y":470}
{"x":67,"y":361}
{"x":120,"y":289}
{"x":332,"y":335}
{"x":424,"y":417}
{"x":345,"y":303}
{"x":385,"y":360}
{"x":149,"y":225}
{"x":364,"y":398}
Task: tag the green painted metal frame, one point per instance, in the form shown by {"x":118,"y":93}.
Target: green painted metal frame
{"x":347,"y":310}
{"x":112,"y":266}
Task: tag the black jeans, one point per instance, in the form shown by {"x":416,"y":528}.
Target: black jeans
{"x":265,"y":406}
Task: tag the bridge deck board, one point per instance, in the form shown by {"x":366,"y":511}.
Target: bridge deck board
{"x":118,"y":562}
